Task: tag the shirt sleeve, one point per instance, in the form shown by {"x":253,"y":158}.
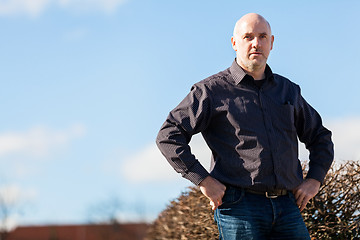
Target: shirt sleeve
{"x":190,"y":117}
{"x":316,"y":137}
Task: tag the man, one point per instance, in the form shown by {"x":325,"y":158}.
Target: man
{"x":251,"y":120}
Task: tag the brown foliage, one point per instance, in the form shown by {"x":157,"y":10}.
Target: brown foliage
{"x":333,"y":214}
{"x":187,"y":218}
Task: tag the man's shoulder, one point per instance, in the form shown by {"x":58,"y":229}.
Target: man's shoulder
{"x":280,"y":79}
{"x":220,"y":78}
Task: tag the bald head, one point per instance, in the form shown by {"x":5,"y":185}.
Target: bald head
{"x":252,"y":41}
{"x":249,"y":19}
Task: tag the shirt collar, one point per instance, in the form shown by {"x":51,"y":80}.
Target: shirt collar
{"x":239,"y":74}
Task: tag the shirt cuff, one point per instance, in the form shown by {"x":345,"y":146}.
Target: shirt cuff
{"x":196,"y":174}
{"x":317,"y":173}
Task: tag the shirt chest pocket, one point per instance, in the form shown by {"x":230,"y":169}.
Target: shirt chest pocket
{"x":283,"y":117}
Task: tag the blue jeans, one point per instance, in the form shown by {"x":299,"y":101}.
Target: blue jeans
{"x":248,"y":216}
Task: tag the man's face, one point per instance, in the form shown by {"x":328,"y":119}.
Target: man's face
{"x":252,"y":42}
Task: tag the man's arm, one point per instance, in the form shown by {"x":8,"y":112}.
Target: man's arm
{"x":190,"y":117}
{"x":318,"y":141}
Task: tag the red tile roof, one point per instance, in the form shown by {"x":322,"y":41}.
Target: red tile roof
{"x":131,"y":231}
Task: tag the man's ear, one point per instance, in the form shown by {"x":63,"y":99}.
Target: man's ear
{"x":272,"y":42}
{"x":233,"y":43}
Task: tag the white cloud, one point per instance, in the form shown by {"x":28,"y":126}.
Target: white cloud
{"x":107,"y":6}
{"x":37,"y":141}
{"x":12,"y":198}
{"x":34,"y":8}
{"x":346,"y":137}
{"x":150,"y":165}
{"x":19,"y":7}
{"x":147,"y":165}
{"x":12,"y":194}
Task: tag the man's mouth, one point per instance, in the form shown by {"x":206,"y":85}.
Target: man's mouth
{"x":256,"y":53}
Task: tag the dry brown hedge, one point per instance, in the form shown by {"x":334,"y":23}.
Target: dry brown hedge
{"x":332,"y":214}
{"x":188,"y":217}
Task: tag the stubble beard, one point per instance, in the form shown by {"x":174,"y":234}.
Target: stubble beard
{"x":253,"y":66}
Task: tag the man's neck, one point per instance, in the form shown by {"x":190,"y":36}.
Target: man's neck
{"x":257,"y":74}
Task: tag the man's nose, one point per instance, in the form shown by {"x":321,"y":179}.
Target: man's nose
{"x":255,"y":42}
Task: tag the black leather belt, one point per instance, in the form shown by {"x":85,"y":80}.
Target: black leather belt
{"x":269,"y":194}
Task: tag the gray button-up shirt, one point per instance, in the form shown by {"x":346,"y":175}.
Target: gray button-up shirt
{"x":252,"y":132}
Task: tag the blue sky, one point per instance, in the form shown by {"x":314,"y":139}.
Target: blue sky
{"x":86,"y":85}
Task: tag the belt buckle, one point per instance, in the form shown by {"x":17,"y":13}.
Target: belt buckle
{"x":270,"y":196}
